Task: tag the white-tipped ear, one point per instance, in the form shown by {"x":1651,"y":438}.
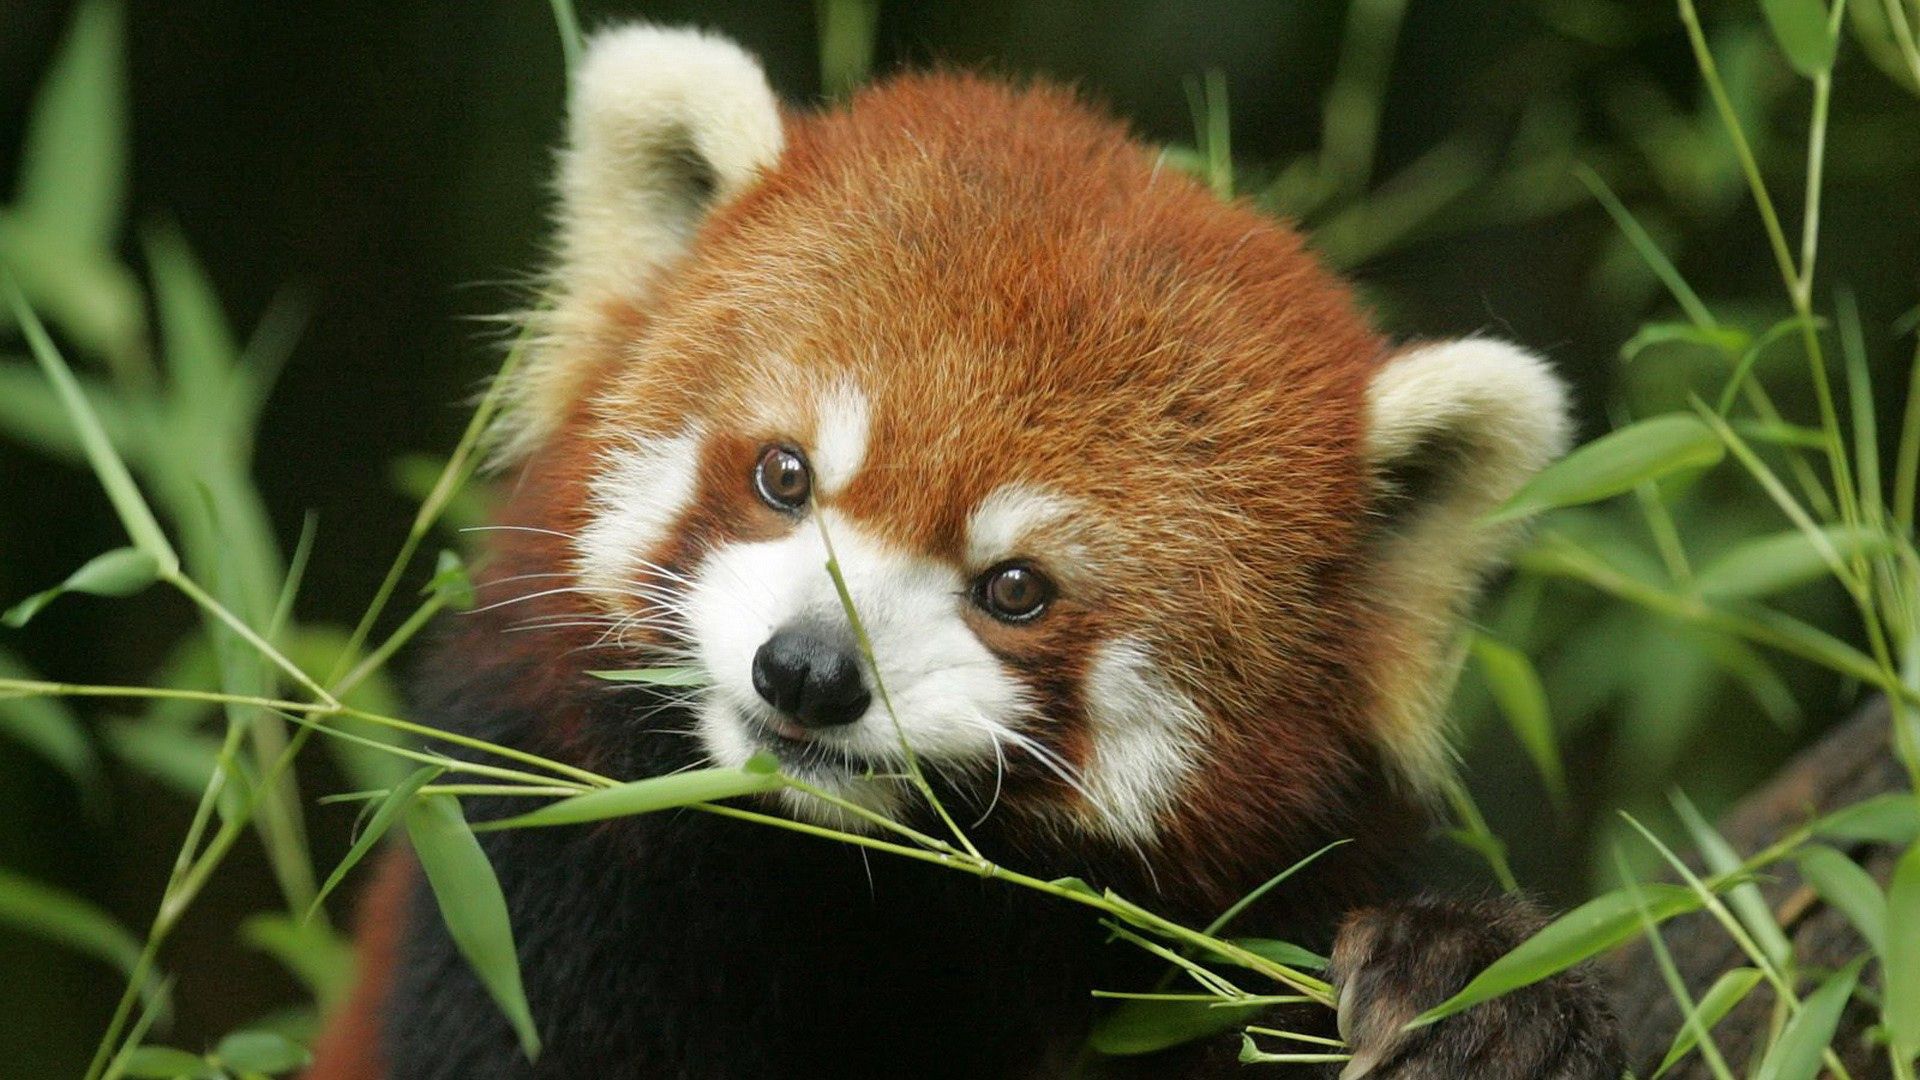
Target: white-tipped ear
{"x":663,"y":126}
{"x":1453,"y":430}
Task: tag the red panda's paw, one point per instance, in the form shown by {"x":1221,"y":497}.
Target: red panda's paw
{"x":1394,"y":962}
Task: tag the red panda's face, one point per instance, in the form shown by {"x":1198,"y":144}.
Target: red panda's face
{"x":1105,"y":463}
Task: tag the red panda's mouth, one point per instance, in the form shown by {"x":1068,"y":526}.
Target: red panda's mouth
{"x":805,"y":752}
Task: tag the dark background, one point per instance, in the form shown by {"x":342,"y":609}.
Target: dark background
{"x":389,"y":159}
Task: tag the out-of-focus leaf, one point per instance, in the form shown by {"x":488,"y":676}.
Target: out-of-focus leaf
{"x":30,"y":413}
{"x":1846,"y":885}
{"x":1745,"y":898}
{"x":46,"y":726}
{"x":416,"y":475}
{"x":395,"y":802}
{"x":1724,"y":340}
{"x":1580,"y":934}
{"x":1142,"y":1027}
{"x":66,"y":920}
{"x":260,"y":1052}
{"x":473,"y":906}
{"x":196,"y":338}
{"x":166,"y":1063}
{"x":181,"y":758}
{"x":120,"y":572}
{"x":314,"y":952}
{"x":1727,"y":991}
{"x":73,"y":167}
{"x":1800,"y":29}
{"x":450,"y":580}
{"x":1523,"y":701}
{"x":1766,"y":565}
{"x":1617,"y":463}
{"x":1901,"y":960}
{"x":1893,"y":818}
{"x":1795,"y":1055}
{"x":88,"y":293}
{"x":646,"y":796}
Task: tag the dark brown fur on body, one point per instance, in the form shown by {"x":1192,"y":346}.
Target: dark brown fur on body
{"x":1020,"y":294}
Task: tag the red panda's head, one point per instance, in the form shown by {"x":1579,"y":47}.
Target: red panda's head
{"x":1156,"y":541}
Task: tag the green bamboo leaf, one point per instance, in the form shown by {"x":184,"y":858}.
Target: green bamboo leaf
{"x":473,"y":906}
{"x":1522,"y":700}
{"x":1616,"y":463}
{"x":1143,"y":1027}
{"x":166,"y":1063}
{"x":134,"y":513}
{"x":120,"y":572}
{"x":1727,"y":991}
{"x":657,"y":676}
{"x":646,"y":796}
{"x":66,"y":920}
{"x":450,"y":580}
{"x":1580,"y":934}
{"x":73,"y":166}
{"x":1892,"y":819}
{"x":30,"y":413}
{"x":1901,"y":961}
{"x":1282,"y":952}
{"x":95,"y":299}
{"x":1796,"y":1054}
{"x":1847,"y":886}
{"x":183,"y":759}
{"x":1724,"y":340}
{"x":195,"y":335}
{"x":261,"y":1052}
{"x":1800,"y":28}
{"x":314,"y":952}
{"x":47,"y":726}
{"x":1744,"y":898}
{"x":390,"y":807}
{"x":1765,"y":565}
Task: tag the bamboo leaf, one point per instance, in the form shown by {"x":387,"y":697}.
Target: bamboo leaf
{"x":120,"y":572}
{"x":1522,"y":700}
{"x":1846,"y":885}
{"x":1143,"y":1027}
{"x":1765,"y":565}
{"x":195,"y":336}
{"x":260,"y":1052}
{"x":1616,"y":463}
{"x":473,"y":906}
{"x":396,"y":801}
{"x":166,"y":1063}
{"x":1893,"y":818}
{"x":1796,"y":1054}
{"x":646,"y":796}
{"x":1282,"y":952}
{"x":73,"y":167}
{"x":1724,"y":340}
{"x":1744,"y":898}
{"x":1727,"y":991}
{"x":1580,"y":934}
{"x":46,"y":726}
{"x":1800,"y":28}
{"x":1901,"y":961}
{"x":65,"y":920}
{"x":314,"y":952}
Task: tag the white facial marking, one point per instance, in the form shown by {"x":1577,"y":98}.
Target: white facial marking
{"x":953,"y":699}
{"x":1007,"y":517}
{"x":1145,"y":731}
{"x":840,"y":438}
{"x":641,"y":490}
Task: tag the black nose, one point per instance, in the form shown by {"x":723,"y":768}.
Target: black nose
{"x":812,"y":675}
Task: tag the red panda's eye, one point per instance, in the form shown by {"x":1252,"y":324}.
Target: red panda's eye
{"x":782,"y":478}
{"x":1013,"y":592}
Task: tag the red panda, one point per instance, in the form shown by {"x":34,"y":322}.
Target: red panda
{"x":1160,"y":546}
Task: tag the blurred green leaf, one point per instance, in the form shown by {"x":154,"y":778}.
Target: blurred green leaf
{"x":473,"y":906}
{"x":1579,"y":935}
{"x":395,"y":802}
{"x":1143,"y":1027}
{"x":1616,"y":463}
{"x":261,"y":1052}
{"x":1764,"y":565}
{"x":196,"y":338}
{"x":47,"y":726}
{"x":66,"y":920}
{"x":73,"y":167}
{"x":657,"y":676}
{"x":645,"y":796}
{"x":120,"y":572}
{"x":1892,"y":819}
{"x":1800,"y":29}
{"x":450,"y":580}
{"x":417,"y":475}
{"x":30,"y":412}
{"x":314,"y":952}
{"x":1728,"y":990}
{"x":166,"y":1063}
{"x":91,"y":296}
{"x":1523,"y":701}
{"x":1901,"y":960}
{"x":181,"y":758}
{"x":1846,"y":886}
{"x":1744,"y":898}
{"x":1722,"y":340}
{"x":1796,"y":1054}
